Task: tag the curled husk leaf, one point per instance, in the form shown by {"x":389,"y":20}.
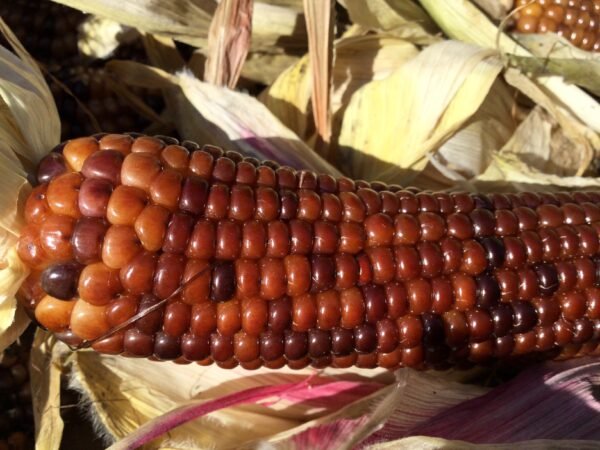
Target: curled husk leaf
{"x":391,"y":125}
{"x":462,"y":20}
{"x":29,"y":126}
{"x":402,"y":18}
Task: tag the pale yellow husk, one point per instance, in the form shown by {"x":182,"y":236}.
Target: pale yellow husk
{"x":45,"y":367}
{"x":553,"y":54}
{"x":359,"y":60}
{"x":123,"y":399}
{"x":391,"y":125}
{"x":29,"y":127}
{"x":462,"y":20}
{"x":402,"y":18}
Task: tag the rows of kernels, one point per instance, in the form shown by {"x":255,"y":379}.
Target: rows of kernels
{"x":333,"y":272}
{"x":576,"y":20}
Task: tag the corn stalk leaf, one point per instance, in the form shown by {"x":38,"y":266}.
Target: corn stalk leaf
{"x":320,"y":23}
{"x":358,"y":60}
{"x":228,"y":42}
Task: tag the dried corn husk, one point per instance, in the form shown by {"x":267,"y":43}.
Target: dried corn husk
{"x":402,"y":18}
{"x":553,"y":54}
{"x":358,"y":60}
{"x":468,"y":153}
{"x":276,"y":27}
{"x":29,"y":126}
{"x":99,"y":38}
{"x":391,"y":125}
{"x":45,"y":367}
{"x":320,"y":25}
{"x":462,"y":20}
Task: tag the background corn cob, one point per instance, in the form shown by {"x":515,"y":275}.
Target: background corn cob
{"x":576,"y":20}
{"x":48,"y":30}
{"x":92,"y":103}
{"x":16,"y":415}
{"x":301,"y":268}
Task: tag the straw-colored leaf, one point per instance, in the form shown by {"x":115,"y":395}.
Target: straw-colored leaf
{"x":99,"y":38}
{"x":228,"y":42}
{"x":555,"y":55}
{"x":320,"y":19}
{"x":403,"y":18}
{"x":359,"y":60}
{"x":45,"y":372}
{"x":29,"y":128}
{"x":575,"y":144}
{"x":288,"y":98}
{"x":265,"y":67}
{"x":462,"y":20}
{"x":29,"y":122}
{"x":391,"y":125}
{"x":123,"y":400}
{"x":275,"y":27}
{"x":184,"y":20}
{"x":469,"y":152}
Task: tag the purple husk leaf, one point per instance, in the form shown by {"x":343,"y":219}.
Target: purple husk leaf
{"x":557,"y":400}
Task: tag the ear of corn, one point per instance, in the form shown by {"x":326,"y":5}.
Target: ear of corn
{"x":241,"y":262}
{"x":576,"y":20}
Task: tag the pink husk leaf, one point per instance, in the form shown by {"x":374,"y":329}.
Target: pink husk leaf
{"x":557,"y":400}
{"x":338,"y":392}
{"x":228,"y":42}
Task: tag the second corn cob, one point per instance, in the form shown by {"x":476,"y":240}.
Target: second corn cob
{"x":575,"y":20}
{"x":296,"y":268}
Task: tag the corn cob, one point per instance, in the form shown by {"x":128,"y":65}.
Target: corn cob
{"x":249,"y":263}
{"x":16,"y":414}
{"x":576,"y":20}
{"x":48,"y":30}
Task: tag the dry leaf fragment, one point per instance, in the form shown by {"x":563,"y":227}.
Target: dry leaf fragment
{"x":402,"y":18}
{"x":461,"y":19}
{"x":228,"y":42}
{"x":358,"y":60}
{"x":45,"y":371}
{"x":390,"y":125}
{"x":277,"y":28}
{"x":320,"y":23}
{"x":553,"y":54}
